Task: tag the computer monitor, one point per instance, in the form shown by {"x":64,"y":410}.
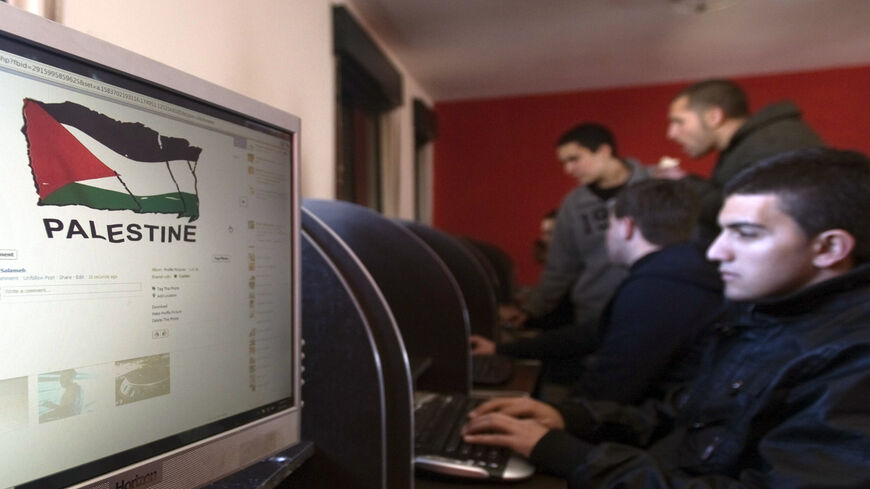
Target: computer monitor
{"x":149,"y":279}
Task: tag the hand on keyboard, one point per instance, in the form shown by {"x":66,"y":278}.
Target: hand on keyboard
{"x":512,"y":316}
{"x":521,"y":408}
{"x":439,"y":447}
{"x":481,"y":345}
{"x":496,"y":429}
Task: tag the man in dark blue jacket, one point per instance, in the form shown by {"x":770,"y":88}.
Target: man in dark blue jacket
{"x":656,"y":314}
{"x":783,"y":397}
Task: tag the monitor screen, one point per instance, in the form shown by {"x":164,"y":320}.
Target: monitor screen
{"x":148,"y":269}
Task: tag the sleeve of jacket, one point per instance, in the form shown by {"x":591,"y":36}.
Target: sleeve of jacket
{"x":558,"y":453}
{"x":561,"y":452}
{"x":567,"y":341}
{"x":608,"y":421}
{"x":642,"y":337}
{"x":819,"y":438}
{"x":563,"y":266}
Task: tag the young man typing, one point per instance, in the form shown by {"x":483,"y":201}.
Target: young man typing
{"x":782,"y":399}
{"x":659,"y":311}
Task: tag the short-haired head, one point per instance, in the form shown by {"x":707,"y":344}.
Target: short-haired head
{"x":820,"y":188}
{"x":724,"y":94}
{"x":665,"y":211}
{"x":590,"y":135}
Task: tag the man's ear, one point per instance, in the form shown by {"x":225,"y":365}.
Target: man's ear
{"x":833,"y":248}
{"x":713,"y":116}
{"x":627,"y":227}
{"x":604,"y":149}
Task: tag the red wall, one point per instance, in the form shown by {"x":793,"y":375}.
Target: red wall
{"x":495,"y":168}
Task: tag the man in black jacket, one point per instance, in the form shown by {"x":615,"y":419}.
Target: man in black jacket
{"x":713,"y":115}
{"x":656,"y":314}
{"x":783,"y":397}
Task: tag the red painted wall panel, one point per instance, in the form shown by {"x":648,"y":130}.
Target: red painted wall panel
{"x":495,"y":168}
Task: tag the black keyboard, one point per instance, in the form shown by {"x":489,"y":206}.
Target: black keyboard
{"x":491,"y":369}
{"x":438,"y":445}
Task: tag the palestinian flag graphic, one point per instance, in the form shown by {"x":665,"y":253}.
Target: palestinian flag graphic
{"x":81,"y":157}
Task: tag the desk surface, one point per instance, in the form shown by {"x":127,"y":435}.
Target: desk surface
{"x":268,"y":473}
{"x":539,"y":481}
{"x":523,"y":382}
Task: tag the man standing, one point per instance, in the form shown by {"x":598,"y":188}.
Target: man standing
{"x":714,"y":115}
{"x":783,"y":397}
{"x":577,"y":261}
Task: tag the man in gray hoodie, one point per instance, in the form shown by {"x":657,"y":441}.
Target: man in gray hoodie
{"x":577,"y":263}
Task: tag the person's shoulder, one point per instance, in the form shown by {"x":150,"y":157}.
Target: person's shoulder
{"x":680,"y":262}
{"x":580,"y":195}
{"x":777,"y":110}
{"x":777,"y":127}
{"x":639,"y":171}
{"x":838,"y":332}
{"x":677,"y":254}
{"x":838,"y":305}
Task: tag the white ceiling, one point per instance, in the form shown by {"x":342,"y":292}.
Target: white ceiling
{"x":463,"y":49}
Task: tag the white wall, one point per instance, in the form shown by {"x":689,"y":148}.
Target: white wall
{"x":275,"y":51}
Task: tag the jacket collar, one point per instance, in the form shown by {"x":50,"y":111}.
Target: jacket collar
{"x":766,"y":115}
{"x":836,"y":292}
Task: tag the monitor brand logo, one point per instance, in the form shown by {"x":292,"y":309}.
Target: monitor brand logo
{"x":82,"y":157}
{"x":138,"y":481}
{"x":139,"y":478}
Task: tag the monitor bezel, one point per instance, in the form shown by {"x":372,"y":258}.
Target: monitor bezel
{"x":282,"y":427}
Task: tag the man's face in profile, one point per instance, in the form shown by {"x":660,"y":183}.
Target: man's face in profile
{"x":687,"y":127}
{"x":762,"y":251}
{"x":581,"y":163}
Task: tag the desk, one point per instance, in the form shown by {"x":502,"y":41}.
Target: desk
{"x":539,"y":481}
{"x":523,"y":382}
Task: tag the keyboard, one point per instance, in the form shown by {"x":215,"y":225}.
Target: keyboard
{"x":491,"y":369}
{"x":438,"y":445}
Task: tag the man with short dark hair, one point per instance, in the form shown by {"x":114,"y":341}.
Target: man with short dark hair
{"x":667,"y":302}
{"x":783,"y":397}
{"x":577,"y":263}
{"x":714,"y":115}
{"x":657,"y":313}
{"x":577,"y":266}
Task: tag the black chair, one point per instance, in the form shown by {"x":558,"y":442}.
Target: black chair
{"x":358,"y":398}
{"x":422,"y":294}
{"x":477,"y":287}
{"x":499,"y":264}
